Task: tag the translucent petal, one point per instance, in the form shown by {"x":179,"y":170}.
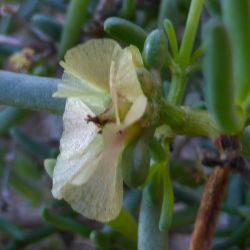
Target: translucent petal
{"x":100,"y":196}
{"x":126,"y":80}
{"x":72,"y":86}
{"x":136,"y":111}
{"x":136,"y":55}
{"x":91,"y":61}
{"x":87,"y":174}
{"x":80,"y":142}
{"x":113,"y":92}
{"x":49,"y":165}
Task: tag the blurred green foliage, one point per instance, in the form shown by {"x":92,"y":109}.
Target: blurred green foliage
{"x":34,"y":36}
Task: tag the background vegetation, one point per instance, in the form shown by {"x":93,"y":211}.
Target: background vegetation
{"x":34,"y":36}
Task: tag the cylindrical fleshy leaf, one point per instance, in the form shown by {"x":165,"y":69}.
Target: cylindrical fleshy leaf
{"x":218,"y":71}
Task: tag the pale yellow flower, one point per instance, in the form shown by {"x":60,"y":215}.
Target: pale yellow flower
{"x":104,"y":102}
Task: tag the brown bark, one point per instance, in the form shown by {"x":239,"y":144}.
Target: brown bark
{"x":209,"y":210}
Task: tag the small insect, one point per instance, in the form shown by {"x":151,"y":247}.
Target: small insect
{"x":97,"y":120}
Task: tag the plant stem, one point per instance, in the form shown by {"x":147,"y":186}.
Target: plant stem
{"x":236,"y":238}
{"x":72,"y":29}
{"x":31,"y":238}
{"x":168,"y":194}
{"x":177,"y":89}
{"x":126,"y":225}
{"x":125,"y":31}
{"x":35,"y":93}
{"x":10,"y":229}
{"x":150,"y":236}
{"x":128,"y":9}
{"x":30,"y":92}
{"x":190,"y":32}
{"x":209,"y":210}
{"x":63,"y":222}
{"x":187,"y":121}
{"x":167,"y":9}
{"x":179,"y":77}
